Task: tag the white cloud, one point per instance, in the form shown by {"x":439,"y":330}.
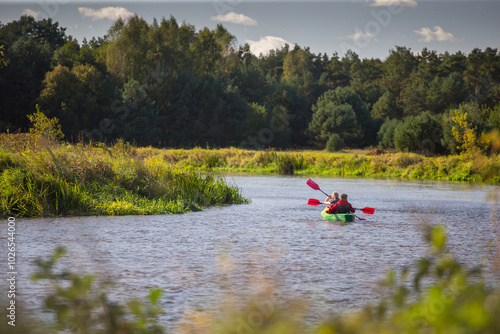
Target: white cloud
{"x":266,"y":44}
{"x":387,"y":3}
{"x":110,"y":13}
{"x":437,"y":35}
{"x":31,"y":12}
{"x":232,"y":17}
{"x":361,"y":36}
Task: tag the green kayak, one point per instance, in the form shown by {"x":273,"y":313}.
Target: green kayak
{"x":337,"y":217}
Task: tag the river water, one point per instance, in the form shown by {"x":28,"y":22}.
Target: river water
{"x":199,"y":257}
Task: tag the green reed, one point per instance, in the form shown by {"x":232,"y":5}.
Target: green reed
{"x":85,"y":180}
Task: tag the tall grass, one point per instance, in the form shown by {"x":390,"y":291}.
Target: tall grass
{"x":66,"y":179}
{"x":389,"y":165}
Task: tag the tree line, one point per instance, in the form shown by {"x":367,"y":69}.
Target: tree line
{"x":167,"y":84}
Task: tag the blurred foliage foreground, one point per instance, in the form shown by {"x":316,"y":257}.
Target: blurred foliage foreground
{"x":42,"y":177}
{"x":435,"y":295}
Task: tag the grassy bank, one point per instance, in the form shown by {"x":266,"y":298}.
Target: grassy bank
{"x":350,"y":164}
{"x":40,"y":178}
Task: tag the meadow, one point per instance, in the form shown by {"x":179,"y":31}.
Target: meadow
{"x":355,"y":163}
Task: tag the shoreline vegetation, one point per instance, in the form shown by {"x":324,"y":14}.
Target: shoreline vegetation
{"x":41,"y":177}
{"x":358,"y":163}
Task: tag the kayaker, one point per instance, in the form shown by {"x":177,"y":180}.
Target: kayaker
{"x":342,"y":206}
{"x":331,"y":200}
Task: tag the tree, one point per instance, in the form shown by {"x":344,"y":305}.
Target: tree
{"x":140,"y":124}
{"x":43,"y":126}
{"x":413,"y":96}
{"x":446,"y":92}
{"x":365,"y":77}
{"x":211,"y":49}
{"x":126,"y":52}
{"x":21,"y":81}
{"x":80,"y":97}
{"x":385,"y":135}
{"x":338,"y":74}
{"x":297,"y":108}
{"x":467,"y":124}
{"x":335,"y":143}
{"x":397,"y":69}
{"x":42,"y":31}
{"x":419,"y":133}
{"x":250,"y":80}
{"x":494,"y":118}
{"x":483,"y":76}
{"x":297,"y":62}
{"x":353,"y":116}
{"x":338,"y":111}
{"x":3,"y":62}
{"x":204,"y":112}
{"x":386,"y":107}
{"x":272,"y":63}
{"x":68,"y":54}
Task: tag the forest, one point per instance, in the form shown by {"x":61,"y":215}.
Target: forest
{"x":166,"y":84}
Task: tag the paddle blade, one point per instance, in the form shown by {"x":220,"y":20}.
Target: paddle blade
{"x":369,"y":211}
{"x":313,"y":201}
{"x":312,"y":184}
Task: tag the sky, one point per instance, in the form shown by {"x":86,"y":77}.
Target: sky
{"x":370,"y":28}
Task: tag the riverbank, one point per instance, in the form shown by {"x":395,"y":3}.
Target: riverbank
{"x":44,"y":178}
{"x":40,"y":177}
{"x":348,"y":164}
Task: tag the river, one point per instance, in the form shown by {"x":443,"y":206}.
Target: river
{"x":199,"y":257}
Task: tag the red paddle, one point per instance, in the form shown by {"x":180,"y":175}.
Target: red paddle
{"x":313,"y":201}
{"x":313,"y":185}
{"x":366,"y":210}
{"x":369,"y":211}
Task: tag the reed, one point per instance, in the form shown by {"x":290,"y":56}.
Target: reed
{"x":62,"y":179}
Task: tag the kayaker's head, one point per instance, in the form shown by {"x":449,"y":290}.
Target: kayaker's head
{"x":344,"y":196}
{"x":335,"y":195}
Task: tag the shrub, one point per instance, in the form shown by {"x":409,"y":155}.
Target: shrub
{"x":420,"y":134}
{"x":385,"y":135}
{"x":335,"y":143}
{"x":44,"y":126}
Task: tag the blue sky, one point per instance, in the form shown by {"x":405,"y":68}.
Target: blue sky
{"x":368,"y":27}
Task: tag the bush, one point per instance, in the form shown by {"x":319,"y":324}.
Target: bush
{"x":419,"y":134}
{"x":335,"y":143}
{"x":385,"y":135}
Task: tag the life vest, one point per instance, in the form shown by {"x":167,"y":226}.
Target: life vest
{"x":343,"y":206}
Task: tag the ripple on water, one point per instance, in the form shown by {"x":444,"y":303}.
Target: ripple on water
{"x":196,"y":258}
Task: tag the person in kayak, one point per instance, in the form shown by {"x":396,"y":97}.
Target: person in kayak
{"x":342,"y":206}
{"x":331,"y":200}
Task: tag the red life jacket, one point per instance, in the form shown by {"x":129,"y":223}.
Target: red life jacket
{"x":342,"y":206}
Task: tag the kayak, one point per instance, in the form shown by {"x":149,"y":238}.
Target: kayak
{"x":337,"y":217}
